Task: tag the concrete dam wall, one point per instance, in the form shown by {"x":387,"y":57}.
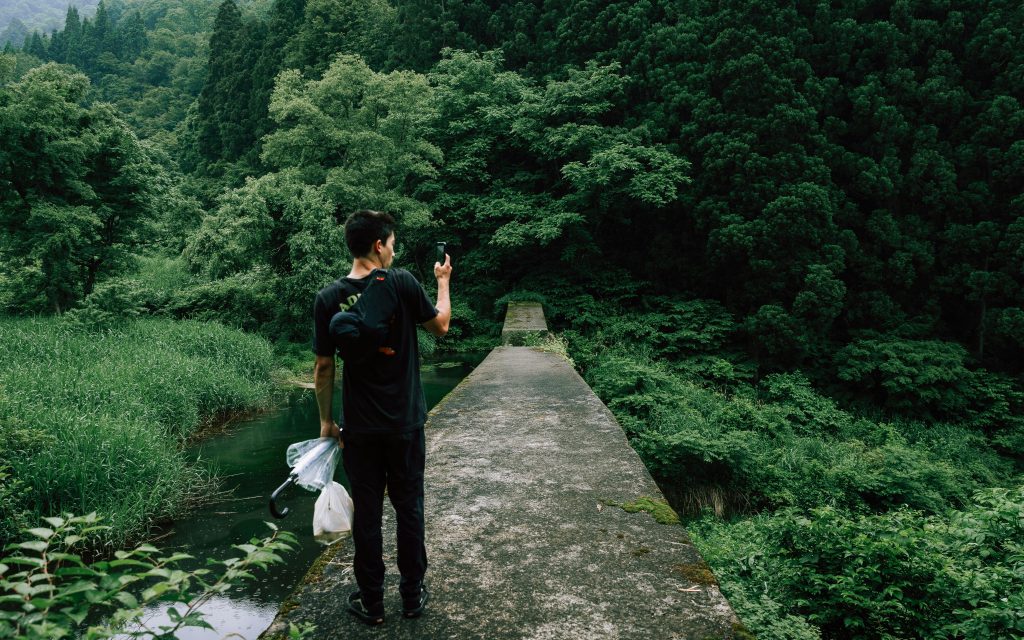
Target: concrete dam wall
{"x":541,"y":523}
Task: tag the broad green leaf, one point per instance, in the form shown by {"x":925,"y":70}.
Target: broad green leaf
{"x":127,"y":562}
{"x":41,"y":532}
{"x":127,"y":599}
{"x":34,"y":545}
{"x":76,"y":571}
{"x":81,"y":586}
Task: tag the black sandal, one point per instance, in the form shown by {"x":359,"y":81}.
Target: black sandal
{"x":370,"y":615}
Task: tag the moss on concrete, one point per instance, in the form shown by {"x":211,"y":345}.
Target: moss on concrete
{"x":658,"y":509}
{"x":315,"y":573}
{"x":317,"y":570}
{"x":697,"y":573}
{"x":275,"y":636}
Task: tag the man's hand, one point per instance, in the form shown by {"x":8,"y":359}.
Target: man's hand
{"x":443,"y":271}
{"x":331,"y":430}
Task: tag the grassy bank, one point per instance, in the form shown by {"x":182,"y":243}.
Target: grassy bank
{"x":94,"y":420}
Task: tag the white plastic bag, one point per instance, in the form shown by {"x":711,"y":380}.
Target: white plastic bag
{"x":313,"y":462}
{"x":333,"y":510}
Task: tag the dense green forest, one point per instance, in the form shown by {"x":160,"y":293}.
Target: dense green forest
{"x":783,"y":241}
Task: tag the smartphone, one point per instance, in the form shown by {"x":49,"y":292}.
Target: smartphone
{"x":441,"y":252}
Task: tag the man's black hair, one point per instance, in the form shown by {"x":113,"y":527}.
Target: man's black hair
{"x":364,"y":227}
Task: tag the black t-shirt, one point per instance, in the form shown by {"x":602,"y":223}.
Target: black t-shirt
{"x":382,"y":394}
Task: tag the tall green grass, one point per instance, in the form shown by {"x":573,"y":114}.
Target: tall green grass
{"x":95,"y":420}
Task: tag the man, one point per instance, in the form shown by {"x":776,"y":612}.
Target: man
{"x":384,"y":411}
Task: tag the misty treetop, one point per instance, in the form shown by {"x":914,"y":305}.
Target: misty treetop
{"x":26,"y":16}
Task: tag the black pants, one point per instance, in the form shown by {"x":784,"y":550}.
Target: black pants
{"x":395,"y":461}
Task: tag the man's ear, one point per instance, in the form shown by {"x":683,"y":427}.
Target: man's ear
{"x":378,"y":246}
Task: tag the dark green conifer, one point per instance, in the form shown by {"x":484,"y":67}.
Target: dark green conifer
{"x":102,"y":33}
{"x":131,"y":36}
{"x":71,"y":49}
{"x":223,"y":100}
{"x":36,"y":46}
{"x":58,"y":46}
{"x":420,"y":33}
{"x":285,"y":19}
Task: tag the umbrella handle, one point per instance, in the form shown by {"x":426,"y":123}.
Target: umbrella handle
{"x":274,"y":511}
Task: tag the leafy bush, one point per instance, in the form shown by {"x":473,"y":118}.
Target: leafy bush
{"x":906,"y":375}
{"x":929,"y":379}
{"x":470,"y":330}
{"x":246,"y":301}
{"x":781,"y":444}
{"x":901,"y":574}
{"x":674,"y":327}
{"x":109,"y":303}
{"x":48,"y":591}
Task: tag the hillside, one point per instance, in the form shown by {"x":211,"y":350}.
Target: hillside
{"x":41,"y":15}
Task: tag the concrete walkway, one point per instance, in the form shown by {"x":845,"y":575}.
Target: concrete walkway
{"x":521,"y":320}
{"x":529,"y":485}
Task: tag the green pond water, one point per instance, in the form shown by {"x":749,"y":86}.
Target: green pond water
{"x":250,"y":458}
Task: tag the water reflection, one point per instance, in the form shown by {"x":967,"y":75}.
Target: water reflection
{"x":228,"y":614}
